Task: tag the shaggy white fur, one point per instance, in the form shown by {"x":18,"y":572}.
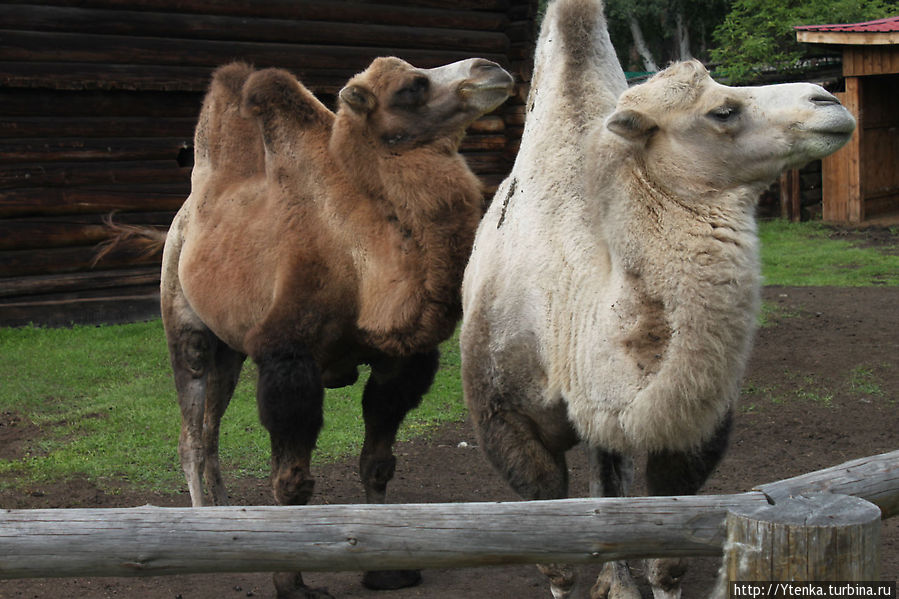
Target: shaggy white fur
{"x":626,"y":253}
{"x":613,"y":288}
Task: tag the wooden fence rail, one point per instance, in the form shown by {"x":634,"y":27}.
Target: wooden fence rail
{"x":149,"y":540}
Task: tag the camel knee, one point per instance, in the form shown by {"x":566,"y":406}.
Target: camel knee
{"x":665,"y":576}
{"x":289,"y":397}
{"x":513,"y":444}
{"x":684,"y":472}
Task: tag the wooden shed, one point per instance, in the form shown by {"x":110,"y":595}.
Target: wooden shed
{"x":99,"y":100}
{"x":861,"y":180}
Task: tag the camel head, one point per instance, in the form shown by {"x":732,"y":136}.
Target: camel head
{"x":695,"y":135}
{"x":397,"y":106}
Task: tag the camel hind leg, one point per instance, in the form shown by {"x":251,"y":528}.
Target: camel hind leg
{"x":205,"y":372}
{"x":523,"y":439}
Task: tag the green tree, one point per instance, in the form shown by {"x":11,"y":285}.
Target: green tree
{"x":758,"y":35}
{"x":648,"y":34}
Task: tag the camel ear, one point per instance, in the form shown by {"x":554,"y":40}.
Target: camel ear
{"x":358,"y":98}
{"x":631,"y":124}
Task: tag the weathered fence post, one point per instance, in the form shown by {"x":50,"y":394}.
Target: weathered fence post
{"x":814,"y":538}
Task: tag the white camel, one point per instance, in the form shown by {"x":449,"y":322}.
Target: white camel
{"x":612,"y":293}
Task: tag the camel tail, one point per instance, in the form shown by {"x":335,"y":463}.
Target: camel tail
{"x":147,"y":240}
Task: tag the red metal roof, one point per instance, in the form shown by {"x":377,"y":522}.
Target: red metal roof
{"x":888,"y":25}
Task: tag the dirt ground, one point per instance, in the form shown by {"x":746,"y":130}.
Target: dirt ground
{"x":822,"y":388}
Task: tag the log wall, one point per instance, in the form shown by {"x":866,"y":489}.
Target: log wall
{"x":100,"y":98}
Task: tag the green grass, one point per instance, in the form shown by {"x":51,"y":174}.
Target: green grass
{"x":801,"y":254}
{"x":104,"y":399}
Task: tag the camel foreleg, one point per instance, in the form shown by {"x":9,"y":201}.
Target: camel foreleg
{"x":391,"y":392}
{"x":289,"y":396}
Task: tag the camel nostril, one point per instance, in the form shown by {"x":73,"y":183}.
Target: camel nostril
{"x":486,"y":65}
{"x":824,"y":100}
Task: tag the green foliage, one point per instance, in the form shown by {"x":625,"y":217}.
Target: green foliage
{"x":804,"y":254}
{"x":657,"y":20}
{"x":758,"y":35}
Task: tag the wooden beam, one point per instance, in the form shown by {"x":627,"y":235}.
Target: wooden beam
{"x":491,"y":19}
{"x":245,"y":28}
{"x":62,"y":231}
{"x":873,"y":478}
{"x":153,"y":541}
{"x":30,"y":46}
{"x":848,"y":38}
{"x":69,"y":282}
{"x":92,"y":200}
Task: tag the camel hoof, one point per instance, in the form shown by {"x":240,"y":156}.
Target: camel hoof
{"x":390,"y":580}
{"x":615,"y":582}
{"x":289,"y":585}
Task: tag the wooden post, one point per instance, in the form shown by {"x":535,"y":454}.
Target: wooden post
{"x":815,"y":538}
{"x":791,"y":195}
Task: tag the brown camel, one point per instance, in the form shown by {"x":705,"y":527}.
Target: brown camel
{"x":314,"y":242}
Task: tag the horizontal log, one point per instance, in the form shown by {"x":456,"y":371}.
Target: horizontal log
{"x":874,"y":478}
{"x":132,"y":305}
{"x":480,"y":143}
{"x":29,"y":46}
{"x":70,"y":282}
{"x":89,"y":76}
{"x":49,"y":261}
{"x":488,"y":124}
{"x":314,"y":10}
{"x":210,"y":27}
{"x":62,"y":149}
{"x":96,"y":126}
{"x":75,"y":174}
{"x":152,"y":541}
{"x":488,"y":162}
{"x":62,"y":200}
{"x":111,"y":104}
{"x":143,"y":79}
{"x":61,"y":231}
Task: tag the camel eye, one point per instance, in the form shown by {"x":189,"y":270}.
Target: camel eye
{"x":724,"y":113}
{"x":413,"y":93}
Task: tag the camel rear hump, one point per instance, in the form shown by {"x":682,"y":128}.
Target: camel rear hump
{"x":225,"y":140}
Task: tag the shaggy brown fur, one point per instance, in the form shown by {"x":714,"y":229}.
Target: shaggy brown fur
{"x":314,"y":242}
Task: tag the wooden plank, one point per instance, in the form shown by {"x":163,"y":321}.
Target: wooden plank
{"x":110,"y":104}
{"x":132,"y":304}
{"x":154,"y":541}
{"x":96,"y":126}
{"x":31,"y":46}
{"x":313,"y":10}
{"x":85,"y":76}
{"x":209,"y":27}
{"x":68,"y":282}
{"x":67,"y":149}
{"x":144,"y":78}
{"x":62,"y":231}
{"x":848,"y":38}
{"x":75,"y":174}
{"x":479,"y":143}
{"x":488,"y":162}
{"x":48,"y":261}
{"x":873,"y":478}
{"x":92,"y":200}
